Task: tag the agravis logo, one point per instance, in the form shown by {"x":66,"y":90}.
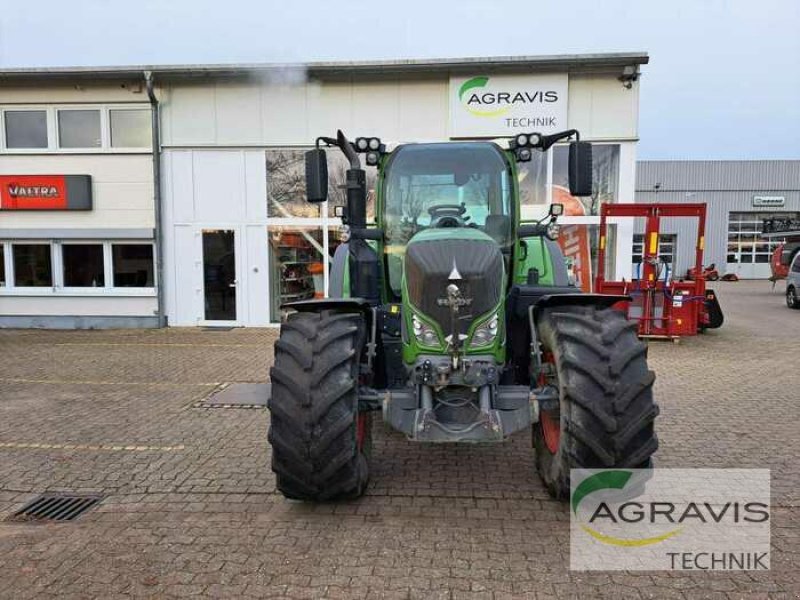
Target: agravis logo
{"x":674,"y":519}
{"x":615,"y":480}
{"x":480,"y":101}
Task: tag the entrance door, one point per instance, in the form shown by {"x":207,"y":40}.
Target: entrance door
{"x":219,"y":275}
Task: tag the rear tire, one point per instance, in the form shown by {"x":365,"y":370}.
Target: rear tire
{"x":319,"y":440}
{"x":606,"y":410}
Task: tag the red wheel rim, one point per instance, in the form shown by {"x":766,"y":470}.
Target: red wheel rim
{"x":361,"y":430}
{"x":549,"y":421}
{"x":551,"y":431}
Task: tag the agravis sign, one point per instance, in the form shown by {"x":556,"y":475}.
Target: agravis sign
{"x":502,"y":105}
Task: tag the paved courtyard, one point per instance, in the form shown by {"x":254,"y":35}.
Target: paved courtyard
{"x":191,"y":507}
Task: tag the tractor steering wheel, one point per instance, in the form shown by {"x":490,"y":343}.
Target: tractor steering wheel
{"x":448,"y":215}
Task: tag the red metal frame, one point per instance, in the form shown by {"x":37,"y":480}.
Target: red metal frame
{"x":664,"y":307}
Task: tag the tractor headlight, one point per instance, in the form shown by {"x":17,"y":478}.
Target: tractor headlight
{"x":362,"y":144}
{"x":374,"y":143}
{"x":486,"y":333}
{"x":424,"y":333}
{"x":522,"y":140}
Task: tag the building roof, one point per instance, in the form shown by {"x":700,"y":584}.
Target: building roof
{"x":717,"y":175}
{"x":560,"y":62}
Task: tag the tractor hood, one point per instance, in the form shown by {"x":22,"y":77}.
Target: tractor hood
{"x":466,"y":257}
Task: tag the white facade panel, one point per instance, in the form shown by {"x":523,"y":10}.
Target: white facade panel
{"x":100,"y":306}
{"x":329,"y":107}
{"x":190,"y":112}
{"x":255,"y":276}
{"x":601,"y":108}
{"x":88,"y":92}
{"x":283,"y":115}
{"x":422,"y":111}
{"x":238,"y":112}
{"x":185,"y":283}
{"x":255,"y":186}
{"x":218,"y":184}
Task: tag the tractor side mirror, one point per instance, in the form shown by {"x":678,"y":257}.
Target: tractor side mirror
{"x":580,"y":169}
{"x":316,"y":175}
{"x":556,"y":209}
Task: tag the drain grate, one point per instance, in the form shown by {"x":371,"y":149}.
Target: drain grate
{"x":56,"y":507}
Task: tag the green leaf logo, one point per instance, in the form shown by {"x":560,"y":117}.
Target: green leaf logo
{"x":600,"y":481}
{"x":469,"y":84}
{"x":611,"y":480}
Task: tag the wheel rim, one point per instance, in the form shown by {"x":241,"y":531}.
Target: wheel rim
{"x":361,"y":430}
{"x":550,"y":421}
{"x":791,"y":299}
{"x":551,"y":431}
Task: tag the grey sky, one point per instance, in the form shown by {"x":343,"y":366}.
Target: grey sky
{"x":724,"y":78}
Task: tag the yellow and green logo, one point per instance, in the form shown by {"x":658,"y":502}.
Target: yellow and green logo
{"x":609,"y":480}
{"x":472,"y":102}
{"x":479,"y":98}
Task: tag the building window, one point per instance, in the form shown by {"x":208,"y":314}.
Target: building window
{"x":65,"y":128}
{"x":133,"y":265}
{"x":296,"y":265}
{"x":130,"y":128}
{"x":83,"y":265}
{"x":667,"y":244}
{"x":745,"y":243}
{"x":32,"y":265}
{"x":79,"y":129}
{"x":286,"y":185}
{"x":26,"y":129}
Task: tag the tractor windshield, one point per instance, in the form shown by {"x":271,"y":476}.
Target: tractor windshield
{"x":444,"y":185}
{"x":466,"y":181}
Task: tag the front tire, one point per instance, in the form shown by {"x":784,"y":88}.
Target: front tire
{"x":792,"y":300}
{"x":606,"y":412}
{"x":319,"y":440}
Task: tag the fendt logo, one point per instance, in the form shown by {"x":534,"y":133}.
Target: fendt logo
{"x":480,"y":100}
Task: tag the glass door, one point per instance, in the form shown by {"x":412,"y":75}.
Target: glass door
{"x":219,"y":275}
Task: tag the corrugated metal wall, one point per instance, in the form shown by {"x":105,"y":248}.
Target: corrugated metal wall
{"x":725,"y":186}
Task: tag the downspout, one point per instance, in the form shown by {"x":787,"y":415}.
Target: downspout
{"x":159,"y":237}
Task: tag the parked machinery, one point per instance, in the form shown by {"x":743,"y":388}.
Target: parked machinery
{"x":455,"y":321}
{"x":663,"y":306}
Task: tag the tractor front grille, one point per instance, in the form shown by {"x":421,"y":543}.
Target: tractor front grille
{"x":429,"y":265}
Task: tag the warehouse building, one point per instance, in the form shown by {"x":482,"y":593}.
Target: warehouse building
{"x":739,"y":196}
{"x":227,"y":210}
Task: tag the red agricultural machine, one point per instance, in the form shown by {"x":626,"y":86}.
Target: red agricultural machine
{"x":665,"y":307}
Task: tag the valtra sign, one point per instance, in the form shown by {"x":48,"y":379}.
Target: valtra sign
{"x":45,"y":192}
{"x":503,"y":105}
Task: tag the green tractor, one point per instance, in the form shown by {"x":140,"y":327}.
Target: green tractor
{"x":457,"y":321}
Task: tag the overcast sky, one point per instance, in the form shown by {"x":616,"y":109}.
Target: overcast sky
{"x":723,"y":79}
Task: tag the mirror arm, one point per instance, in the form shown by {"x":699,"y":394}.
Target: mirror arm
{"x":548,"y":140}
{"x":326,"y":140}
